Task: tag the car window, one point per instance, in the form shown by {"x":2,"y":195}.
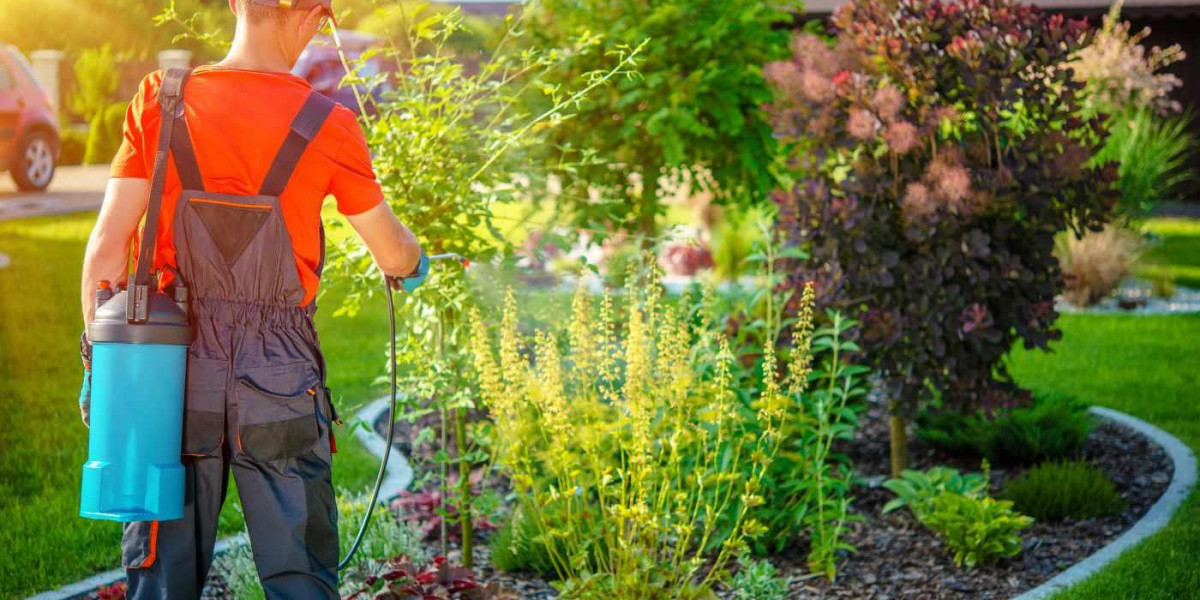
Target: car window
{"x":24,"y":65}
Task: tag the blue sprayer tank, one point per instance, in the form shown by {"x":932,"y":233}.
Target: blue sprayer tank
{"x":133,"y":471}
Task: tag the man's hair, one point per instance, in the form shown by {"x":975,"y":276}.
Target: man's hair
{"x":256,"y":13}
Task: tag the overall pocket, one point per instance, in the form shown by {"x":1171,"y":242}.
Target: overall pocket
{"x":204,"y":407}
{"x":277,"y":426}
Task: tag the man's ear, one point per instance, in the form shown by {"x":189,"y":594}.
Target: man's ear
{"x":312,"y":20}
{"x":233,"y":6}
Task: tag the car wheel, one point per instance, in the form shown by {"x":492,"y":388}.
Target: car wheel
{"x":34,"y":166}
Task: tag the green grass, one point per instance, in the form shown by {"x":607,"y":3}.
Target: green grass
{"x":1178,"y":257}
{"x":1148,"y":367}
{"x":43,"y":444}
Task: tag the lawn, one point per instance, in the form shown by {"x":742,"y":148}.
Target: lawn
{"x":1178,"y":256}
{"x":43,"y":444}
{"x":1148,"y":367}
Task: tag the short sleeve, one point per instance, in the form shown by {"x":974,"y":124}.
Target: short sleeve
{"x":353,"y":184}
{"x":130,"y":161}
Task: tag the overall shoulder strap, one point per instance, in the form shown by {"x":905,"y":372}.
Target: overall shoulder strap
{"x":303,"y":129}
{"x":170,"y":100}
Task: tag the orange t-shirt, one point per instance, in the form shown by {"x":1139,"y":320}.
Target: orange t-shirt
{"x":237,"y":120}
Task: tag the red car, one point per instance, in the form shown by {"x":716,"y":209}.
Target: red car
{"x":28,"y":128}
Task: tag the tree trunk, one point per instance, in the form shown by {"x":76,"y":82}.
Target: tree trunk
{"x":898,"y":429}
{"x":464,"y":490}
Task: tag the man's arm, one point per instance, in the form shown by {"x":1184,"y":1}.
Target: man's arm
{"x":394,"y":248}
{"x":106,"y":258}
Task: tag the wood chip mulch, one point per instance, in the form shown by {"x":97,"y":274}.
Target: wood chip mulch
{"x":897,"y":558}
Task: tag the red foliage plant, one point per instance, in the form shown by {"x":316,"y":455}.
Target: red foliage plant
{"x":937,"y":149}
{"x":401,"y":580}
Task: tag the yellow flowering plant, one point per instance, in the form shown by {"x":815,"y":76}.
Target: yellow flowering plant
{"x":626,"y":442}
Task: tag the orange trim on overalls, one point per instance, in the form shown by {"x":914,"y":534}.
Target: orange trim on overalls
{"x":152,"y":555}
{"x":233,"y":204}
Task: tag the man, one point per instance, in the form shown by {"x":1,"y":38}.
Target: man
{"x":253,"y":154}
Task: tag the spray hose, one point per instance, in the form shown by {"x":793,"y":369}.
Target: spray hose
{"x":391,"y":434}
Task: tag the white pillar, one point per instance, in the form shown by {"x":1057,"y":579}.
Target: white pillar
{"x":172,"y":59}
{"x":46,"y":64}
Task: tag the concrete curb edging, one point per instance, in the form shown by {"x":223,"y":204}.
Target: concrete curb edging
{"x":398,"y":477}
{"x":1155,"y":519}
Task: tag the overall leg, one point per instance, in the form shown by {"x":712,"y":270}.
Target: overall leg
{"x":170,"y":559}
{"x":291,"y":514}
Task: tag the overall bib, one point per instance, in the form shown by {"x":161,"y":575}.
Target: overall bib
{"x":256,"y":401}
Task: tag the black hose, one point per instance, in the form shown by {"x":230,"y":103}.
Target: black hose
{"x":387,"y":449}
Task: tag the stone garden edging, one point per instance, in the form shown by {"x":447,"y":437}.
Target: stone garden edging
{"x":1155,"y":519}
{"x":398,"y":477}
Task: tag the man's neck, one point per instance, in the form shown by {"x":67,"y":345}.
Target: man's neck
{"x":256,"y":51}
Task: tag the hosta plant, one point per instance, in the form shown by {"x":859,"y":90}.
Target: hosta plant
{"x":936,"y":150}
{"x":978,"y":528}
{"x":626,"y":444}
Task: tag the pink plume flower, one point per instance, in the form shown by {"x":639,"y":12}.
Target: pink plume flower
{"x":861,"y":124}
{"x":900,"y":136}
{"x":887,"y":103}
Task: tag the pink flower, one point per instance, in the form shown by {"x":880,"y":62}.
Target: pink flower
{"x":813,"y":53}
{"x":784,"y":75}
{"x":900,"y":136}
{"x":887,"y":102}
{"x":917,"y":201}
{"x":816,"y":87}
{"x":860,"y":124}
{"x":950,"y":180}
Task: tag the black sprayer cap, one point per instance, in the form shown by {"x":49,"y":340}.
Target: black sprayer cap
{"x":167,"y":323}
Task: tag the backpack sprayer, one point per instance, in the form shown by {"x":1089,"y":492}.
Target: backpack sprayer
{"x":139,"y":342}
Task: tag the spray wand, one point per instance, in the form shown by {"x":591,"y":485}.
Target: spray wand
{"x":391,"y":435}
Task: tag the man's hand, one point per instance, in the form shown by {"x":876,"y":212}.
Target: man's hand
{"x":85,"y":390}
{"x":414,"y":279}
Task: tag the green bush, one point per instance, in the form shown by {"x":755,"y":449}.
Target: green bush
{"x":1049,"y":429}
{"x":104,"y":135}
{"x":758,"y":580}
{"x":1154,"y":153}
{"x":72,"y":143}
{"x":916,"y":490}
{"x":699,"y":100}
{"x":978,"y":528}
{"x":516,"y":547}
{"x":1054,"y":491}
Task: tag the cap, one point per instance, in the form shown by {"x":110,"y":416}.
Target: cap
{"x":166,"y":324}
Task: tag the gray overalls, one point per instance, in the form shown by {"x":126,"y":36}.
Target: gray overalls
{"x":256,"y":400}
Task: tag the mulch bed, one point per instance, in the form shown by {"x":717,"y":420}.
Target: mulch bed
{"x":897,"y":558}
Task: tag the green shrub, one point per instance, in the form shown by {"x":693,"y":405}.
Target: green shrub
{"x":1049,"y":429}
{"x":71,"y":145}
{"x":916,"y":490}
{"x":1054,"y":491}
{"x":515,"y":547}
{"x":978,"y":528}
{"x":698,"y":102}
{"x":1154,"y":153}
{"x":757,"y":580}
{"x":104,"y":135}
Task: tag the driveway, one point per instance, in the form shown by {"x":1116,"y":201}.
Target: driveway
{"x":74,"y":189}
